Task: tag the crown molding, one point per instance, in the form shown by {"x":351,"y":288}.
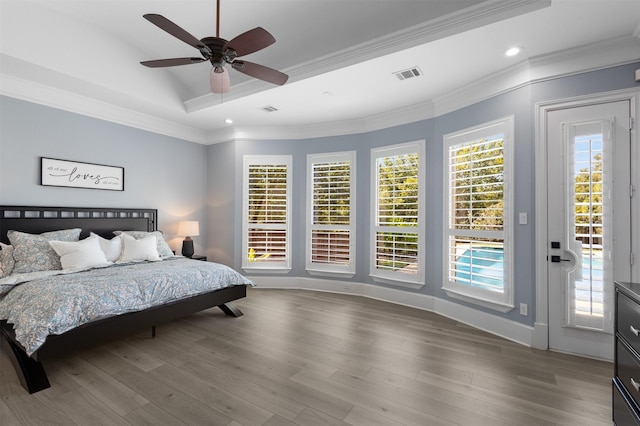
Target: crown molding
{"x":567,"y":62}
{"x":336,"y":128}
{"x":469,"y":18}
{"x":559,"y":64}
{"x":44,"y":94}
{"x":587,"y":58}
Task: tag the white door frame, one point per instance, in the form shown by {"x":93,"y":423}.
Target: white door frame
{"x":541,"y":324}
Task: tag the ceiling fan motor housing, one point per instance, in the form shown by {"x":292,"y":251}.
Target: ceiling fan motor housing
{"x":218,"y":55}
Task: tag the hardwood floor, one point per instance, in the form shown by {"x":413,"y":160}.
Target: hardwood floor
{"x":311,"y":358}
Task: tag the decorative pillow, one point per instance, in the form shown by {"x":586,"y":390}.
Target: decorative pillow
{"x":81,"y":254}
{"x":5,"y":289}
{"x":164,"y":250}
{"x":6,"y":260}
{"x":112,"y":248}
{"x":32,"y":252}
{"x":138,"y":250}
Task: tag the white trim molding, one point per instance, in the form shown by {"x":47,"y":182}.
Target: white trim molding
{"x":53,"y":89}
{"x":541,"y":335}
{"x":461,"y":240}
{"x":502,"y":327}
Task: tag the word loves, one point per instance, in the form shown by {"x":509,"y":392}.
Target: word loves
{"x":97,"y":179}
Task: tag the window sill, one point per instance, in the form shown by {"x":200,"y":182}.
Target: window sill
{"x":490,"y":304}
{"x":397,"y":283}
{"x":259,"y":270}
{"x":334,"y":274}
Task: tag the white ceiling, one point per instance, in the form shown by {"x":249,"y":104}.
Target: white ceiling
{"x":83,"y":56}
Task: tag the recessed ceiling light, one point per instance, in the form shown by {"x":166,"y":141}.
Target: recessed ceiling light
{"x":228,"y":121}
{"x":513,"y":51}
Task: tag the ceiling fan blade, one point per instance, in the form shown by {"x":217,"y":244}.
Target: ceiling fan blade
{"x":176,"y":31}
{"x":220,"y":82}
{"x":251,"y":41}
{"x":261,"y":72}
{"x":158,"y":63}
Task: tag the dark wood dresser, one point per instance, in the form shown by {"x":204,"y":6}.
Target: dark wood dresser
{"x":626,"y":382}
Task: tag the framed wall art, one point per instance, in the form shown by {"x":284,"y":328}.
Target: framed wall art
{"x":76,"y":174}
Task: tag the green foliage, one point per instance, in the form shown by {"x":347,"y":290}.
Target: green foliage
{"x":398,"y":190}
{"x":588,"y":198}
{"x":477,"y":173}
{"x":331,"y":193}
{"x":397,"y":206}
{"x":252,"y":256}
{"x":267,"y":194}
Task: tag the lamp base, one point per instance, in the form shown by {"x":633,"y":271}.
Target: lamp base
{"x":187,"y":247}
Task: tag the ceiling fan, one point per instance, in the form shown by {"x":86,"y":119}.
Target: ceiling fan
{"x":220,"y":52}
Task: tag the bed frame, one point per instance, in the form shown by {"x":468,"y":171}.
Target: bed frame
{"x":102,"y":221}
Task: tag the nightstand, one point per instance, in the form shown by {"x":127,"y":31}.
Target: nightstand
{"x":198,"y":257}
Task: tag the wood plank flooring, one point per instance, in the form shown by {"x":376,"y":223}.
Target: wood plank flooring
{"x":312,"y":358}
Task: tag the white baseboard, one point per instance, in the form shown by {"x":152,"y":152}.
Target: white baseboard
{"x":510,"y":330}
{"x":541,"y":336}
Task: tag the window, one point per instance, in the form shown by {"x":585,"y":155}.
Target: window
{"x":331,"y":213}
{"x":397,"y":231}
{"x":266,"y":212}
{"x":478,"y":213}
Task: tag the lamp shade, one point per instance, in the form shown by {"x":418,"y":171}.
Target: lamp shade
{"x":189,"y":228}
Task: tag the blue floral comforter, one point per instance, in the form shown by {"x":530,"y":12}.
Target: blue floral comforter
{"x":55,"y":302}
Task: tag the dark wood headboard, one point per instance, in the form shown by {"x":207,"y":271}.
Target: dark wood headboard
{"x":102,"y":221}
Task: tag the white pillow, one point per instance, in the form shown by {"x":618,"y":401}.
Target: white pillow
{"x":112,"y":248}
{"x":164,"y":251}
{"x":81,"y":254}
{"x":138,"y":250}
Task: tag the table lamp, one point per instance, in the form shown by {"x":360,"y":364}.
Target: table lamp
{"x":188,"y":229}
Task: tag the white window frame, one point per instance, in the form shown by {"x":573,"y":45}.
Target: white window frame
{"x":265,"y":266}
{"x":501,"y":301}
{"x":316,"y":268}
{"x":398,"y":277}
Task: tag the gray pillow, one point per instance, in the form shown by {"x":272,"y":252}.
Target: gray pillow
{"x":5,"y":289}
{"x":164,"y":251}
{"x":32,"y":252}
{"x":6,"y":260}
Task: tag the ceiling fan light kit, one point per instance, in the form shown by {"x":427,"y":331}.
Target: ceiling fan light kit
{"x":220,"y":52}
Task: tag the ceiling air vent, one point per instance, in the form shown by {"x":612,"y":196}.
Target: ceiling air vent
{"x":409,"y":73}
{"x":268,"y":108}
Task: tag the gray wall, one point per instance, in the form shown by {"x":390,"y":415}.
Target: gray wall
{"x":186,"y":180}
{"x":160,"y":172}
{"x":520,"y":103}
{"x":221,"y":199}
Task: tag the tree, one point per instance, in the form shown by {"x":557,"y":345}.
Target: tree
{"x":398,"y":190}
{"x":588,"y":201}
{"x":479,"y":185}
{"x":397,"y":210}
{"x":331,"y":195}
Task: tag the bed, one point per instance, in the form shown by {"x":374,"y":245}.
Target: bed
{"x":167,"y":301}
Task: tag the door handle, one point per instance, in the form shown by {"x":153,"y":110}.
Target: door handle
{"x":558,"y":259}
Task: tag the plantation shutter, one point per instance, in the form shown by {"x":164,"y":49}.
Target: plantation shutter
{"x":476,"y":173}
{"x":331,"y":229}
{"x":477,"y":211}
{"x":476,"y":242}
{"x":267,"y":214}
{"x":398,"y":231}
